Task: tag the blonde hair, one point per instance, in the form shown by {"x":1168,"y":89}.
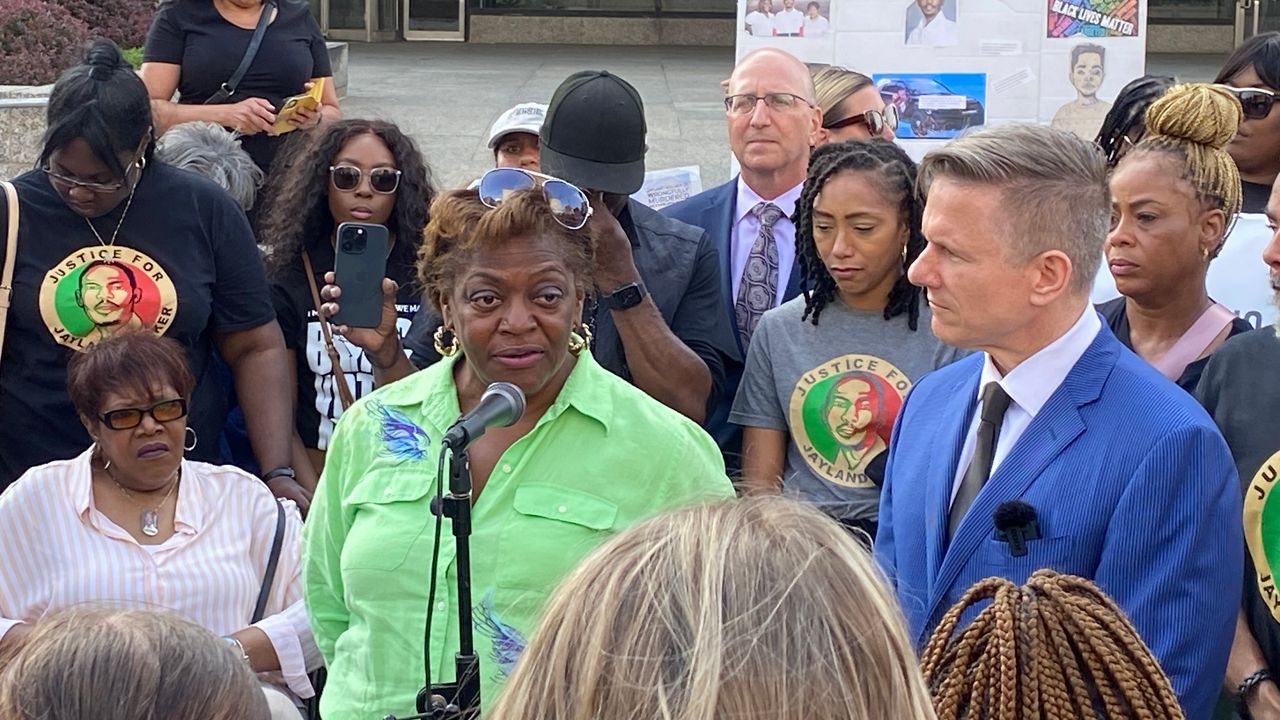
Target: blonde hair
{"x":1056,"y":648}
{"x":832,"y":84}
{"x":1193,"y":123}
{"x":132,"y":665}
{"x":759,"y":607}
{"x":1053,"y":183}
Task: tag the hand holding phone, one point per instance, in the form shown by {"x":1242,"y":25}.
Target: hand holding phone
{"x":309,"y":100}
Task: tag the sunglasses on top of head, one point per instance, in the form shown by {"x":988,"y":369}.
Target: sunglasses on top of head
{"x":1256,"y":103}
{"x":875,"y":120}
{"x":383,"y":180}
{"x":570,"y":206}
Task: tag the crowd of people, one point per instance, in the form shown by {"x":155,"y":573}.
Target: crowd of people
{"x":843,"y":437}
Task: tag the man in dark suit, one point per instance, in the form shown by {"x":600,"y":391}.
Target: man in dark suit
{"x":773,"y":121}
{"x":1054,"y":447}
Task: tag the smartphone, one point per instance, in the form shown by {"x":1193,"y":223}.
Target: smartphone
{"x":309,"y":100}
{"x":360,"y":264}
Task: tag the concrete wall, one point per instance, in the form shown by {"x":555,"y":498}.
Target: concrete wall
{"x":561,"y":30}
{"x":22,"y":112}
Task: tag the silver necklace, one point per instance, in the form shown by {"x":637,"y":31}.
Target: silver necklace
{"x":149,"y":518}
{"x":127,"y":205}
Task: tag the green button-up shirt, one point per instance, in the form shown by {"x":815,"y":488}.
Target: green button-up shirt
{"x":603,"y":457}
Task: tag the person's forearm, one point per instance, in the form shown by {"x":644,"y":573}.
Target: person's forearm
{"x":262,"y":386}
{"x":303,"y":470}
{"x":165,"y":114}
{"x":262,"y":654}
{"x":390,"y":364}
{"x":1246,"y":656}
{"x":660,"y":364}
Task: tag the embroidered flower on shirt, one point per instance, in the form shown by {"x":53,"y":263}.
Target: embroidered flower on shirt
{"x":508,"y":642}
{"x":401,"y":437}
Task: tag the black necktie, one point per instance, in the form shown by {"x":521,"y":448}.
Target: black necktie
{"x":995,"y":401}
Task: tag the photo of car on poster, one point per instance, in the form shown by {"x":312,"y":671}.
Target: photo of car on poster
{"x":935,"y":105}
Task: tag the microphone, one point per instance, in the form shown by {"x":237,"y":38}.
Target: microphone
{"x":501,"y":406}
{"x":1016,"y":523}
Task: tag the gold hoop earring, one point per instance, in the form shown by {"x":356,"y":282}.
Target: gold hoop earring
{"x":580,"y":339}
{"x":446,"y":350}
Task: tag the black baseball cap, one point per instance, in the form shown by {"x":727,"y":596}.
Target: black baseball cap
{"x":594,"y":133}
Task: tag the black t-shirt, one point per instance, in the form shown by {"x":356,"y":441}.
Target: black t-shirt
{"x":1241,"y":390}
{"x":184,"y":264}
{"x":679,"y":267}
{"x":194,"y":35}
{"x":318,"y":400}
{"x":1254,"y":197}
{"x":1114,"y":313}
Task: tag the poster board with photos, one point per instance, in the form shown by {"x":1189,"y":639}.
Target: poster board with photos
{"x":975,"y":62}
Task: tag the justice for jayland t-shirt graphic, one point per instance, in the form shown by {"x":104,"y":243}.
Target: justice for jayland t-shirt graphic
{"x":842,"y":414}
{"x":97,"y":291}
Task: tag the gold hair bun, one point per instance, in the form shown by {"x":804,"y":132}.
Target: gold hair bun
{"x":1197,"y":113}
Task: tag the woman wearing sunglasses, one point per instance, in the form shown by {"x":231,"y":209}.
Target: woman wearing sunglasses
{"x":364,"y":171}
{"x":852,"y":108}
{"x":1253,"y":73}
{"x":828,"y":371}
{"x":590,"y":456}
{"x":109,"y":238}
{"x":1174,"y":198}
{"x":130,"y":523}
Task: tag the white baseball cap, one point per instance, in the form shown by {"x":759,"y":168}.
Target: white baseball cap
{"x":525,"y":117}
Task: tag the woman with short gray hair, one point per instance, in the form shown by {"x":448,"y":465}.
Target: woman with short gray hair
{"x":210,"y":150}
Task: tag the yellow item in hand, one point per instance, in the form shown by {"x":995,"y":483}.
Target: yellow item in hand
{"x":309,"y":100}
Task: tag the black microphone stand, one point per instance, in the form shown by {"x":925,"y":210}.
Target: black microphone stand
{"x":460,"y":699}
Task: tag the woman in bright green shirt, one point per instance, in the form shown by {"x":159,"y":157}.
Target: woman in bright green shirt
{"x":590,"y":456}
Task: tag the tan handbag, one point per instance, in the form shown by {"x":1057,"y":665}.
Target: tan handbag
{"x":10,"y":257}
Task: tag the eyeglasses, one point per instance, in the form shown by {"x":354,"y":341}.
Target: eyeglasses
{"x":1255,"y":102}
{"x":875,"y":120}
{"x":71,"y":182}
{"x":129,"y":418}
{"x":383,"y":180}
{"x":569,"y":204}
{"x":778,"y":102}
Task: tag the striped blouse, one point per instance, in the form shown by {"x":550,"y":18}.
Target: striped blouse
{"x":57,"y":550}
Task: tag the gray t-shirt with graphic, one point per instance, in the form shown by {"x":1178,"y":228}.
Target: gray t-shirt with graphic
{"x":835,"y":388}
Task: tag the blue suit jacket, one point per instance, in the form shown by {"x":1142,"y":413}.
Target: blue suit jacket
{"x":713,"y":211}
{"x":1134,"y":489}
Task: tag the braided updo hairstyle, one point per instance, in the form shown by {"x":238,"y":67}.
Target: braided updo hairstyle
{"x":896,"y":174}
{"x":1055,"y":648}
{"x":1192,"y":123}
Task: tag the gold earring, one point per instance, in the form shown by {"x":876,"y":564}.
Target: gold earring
{"x":580,"y":340}
{"x":904,"y":254}
{"x":446,"y":350}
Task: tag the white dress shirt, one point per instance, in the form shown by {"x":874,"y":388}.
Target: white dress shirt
{"x":57,"y":550}
{"x":1029,"y":386}
{"x":939,"y":33}
{"x":788,"y":22}
{"x":746,"y":226}
{"x":761,"y":24}
{"x":816,"y":27}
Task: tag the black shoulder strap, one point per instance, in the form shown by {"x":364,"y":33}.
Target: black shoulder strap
{"x":229,"y":87}
{"x":272,"y":561}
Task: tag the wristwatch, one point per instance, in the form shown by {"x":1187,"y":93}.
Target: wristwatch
{"x":625,"y":297}
{"x":285,"y":471}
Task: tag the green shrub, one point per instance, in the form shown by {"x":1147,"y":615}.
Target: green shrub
{"x":134,"y":56}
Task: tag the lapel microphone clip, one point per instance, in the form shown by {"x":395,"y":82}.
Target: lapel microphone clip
{"x":1016,"y":523}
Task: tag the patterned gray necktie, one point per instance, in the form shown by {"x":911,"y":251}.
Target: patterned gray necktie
{"x":759,"y":287}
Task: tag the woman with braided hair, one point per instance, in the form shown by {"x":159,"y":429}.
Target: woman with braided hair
{"x":1124,"y":127}
{"x":1174,"y":197}
{"x":827,"y":371}
{"x":1056,"y":648}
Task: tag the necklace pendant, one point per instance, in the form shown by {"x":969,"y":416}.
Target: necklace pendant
{"x":150,"y":523}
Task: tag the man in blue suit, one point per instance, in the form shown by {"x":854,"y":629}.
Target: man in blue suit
{"x":773,"y":121}
{"x":1055,"y":447}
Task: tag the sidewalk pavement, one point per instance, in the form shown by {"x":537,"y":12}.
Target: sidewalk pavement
{"x":446,"y":95}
